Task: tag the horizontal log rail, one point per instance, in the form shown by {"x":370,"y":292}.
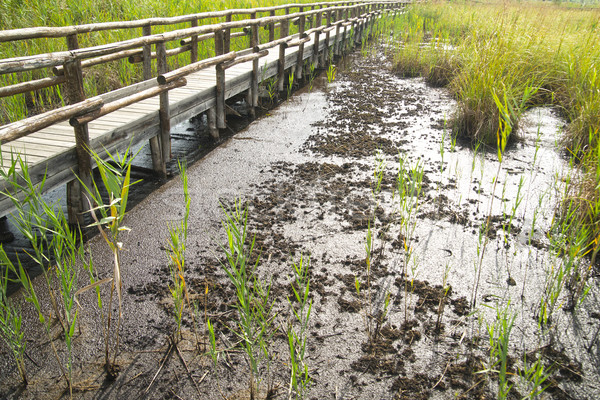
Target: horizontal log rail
{"x":321,"y":31}
{"x":122,"y":103}
{"x":30,"y":86}
{"x":27,"y":63}
{"x":191,"y":68}
{"x":56,"y":32}
{"x":32,"y":124}
{"x":243,"y":59}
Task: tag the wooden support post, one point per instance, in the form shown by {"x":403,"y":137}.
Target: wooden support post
{"x":336,"y":42}
{"x":220,"y":76}
{"x":212,"y":123}
{"x":158,"y":164}
{"x":300,"y":59}
{"x":147,"y":54}
{"x":315,"y":58}
{"x":372,"y":19}
{"x":359,"y":27}
{"x":226,"y":38}
{"x":254,"y":41}
{"x":194,"y":43}
{"x":284,"y":30}
{"x":272,"y":27}
{"x":165,"y":118}
{"x":74,"y":92}
{"x":325,"y":55}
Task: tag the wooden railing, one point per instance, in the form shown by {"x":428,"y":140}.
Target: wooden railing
{"x":151,"y":48}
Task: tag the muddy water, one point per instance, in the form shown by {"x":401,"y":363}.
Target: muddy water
{"x":306,"y":173}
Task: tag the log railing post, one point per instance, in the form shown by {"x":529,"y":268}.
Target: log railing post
{"x":325,"y":56}
{"x":212,"y":123}
{"x":220,"y":78}
{"x":346,"y":34}
{"x":194,"y":43}
{"x":165,"y":119}
{"x":272,"y":27}
{"x":374,"y":14}
{"x":336,"y":42}
{"x":75,"y":93}
{"x":300,"y":59}
{"x":158,"y":164}
{"x":315,"y":58}
{"x":226,"y":47}
{"x":253,"y":93}
{"x":359,"y":27}
{"x":147,"y":54}
{"x":284,"y":29}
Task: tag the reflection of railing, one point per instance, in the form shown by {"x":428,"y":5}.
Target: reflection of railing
{"x":309,"y":22}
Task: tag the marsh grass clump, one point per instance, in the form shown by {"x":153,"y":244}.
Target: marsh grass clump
{"x":498,"y":59}
{"x":255,"y":307}
{"x":108,"y":213}
{"x":11,"y":328}
{"x":178,"y":234}
{"x":481,"y":50}
{"x":57,"y":249}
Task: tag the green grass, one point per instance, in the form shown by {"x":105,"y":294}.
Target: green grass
{"x":484,"y":49}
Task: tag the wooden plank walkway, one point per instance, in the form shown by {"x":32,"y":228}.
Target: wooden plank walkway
{"x":121,"y":128}
{"x":55,"y":151}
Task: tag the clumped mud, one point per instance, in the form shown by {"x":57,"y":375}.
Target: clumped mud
{"x":306,"y":175}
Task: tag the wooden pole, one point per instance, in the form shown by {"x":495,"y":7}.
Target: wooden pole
{"x":226,"y":38}
{"x":165,"y":119}
{"x":284,"y":30}
{"x":336,"y":42}
{"x":357,"y":27}
{"x":300,"y":59}
{"x":315,"y":58}
{"x":194,"y":43}
{"x":374,"y":12}
{"x":158,"y":164}
{"x":361,"y":26}
{"x":212,"y":123}
{"x":326,"y":58}
{"x":220,"y":78}
{"x":345,"y":35}
{"x":74,"y":93}
{"x":254,"y":42}
{"x":272,"y":27}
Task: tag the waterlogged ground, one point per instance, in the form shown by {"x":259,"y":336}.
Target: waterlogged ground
{"x":306,"y":174}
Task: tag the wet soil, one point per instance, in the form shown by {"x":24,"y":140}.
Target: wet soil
{"x":305,"y":172}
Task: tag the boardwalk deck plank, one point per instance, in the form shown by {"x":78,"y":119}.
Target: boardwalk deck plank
{"x":139,"y":121}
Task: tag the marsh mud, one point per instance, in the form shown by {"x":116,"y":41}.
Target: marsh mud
{"x":306,"y":173}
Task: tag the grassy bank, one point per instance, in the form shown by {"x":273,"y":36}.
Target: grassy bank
{"x":104,"y":77}
{"x":499,"y":58}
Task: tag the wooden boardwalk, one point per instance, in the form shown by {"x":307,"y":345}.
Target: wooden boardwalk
{"x":52,"y":151}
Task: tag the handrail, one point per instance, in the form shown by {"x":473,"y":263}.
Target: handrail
{"x":56,"y":32}
{"x":27,"y":63}
{"x":312,"y":20}
{"x":134,"y":49}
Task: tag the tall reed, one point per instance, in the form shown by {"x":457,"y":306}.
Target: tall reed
{"x":56,"y":248}
{"x":253,"y":296}
{"x":116,"y":180}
